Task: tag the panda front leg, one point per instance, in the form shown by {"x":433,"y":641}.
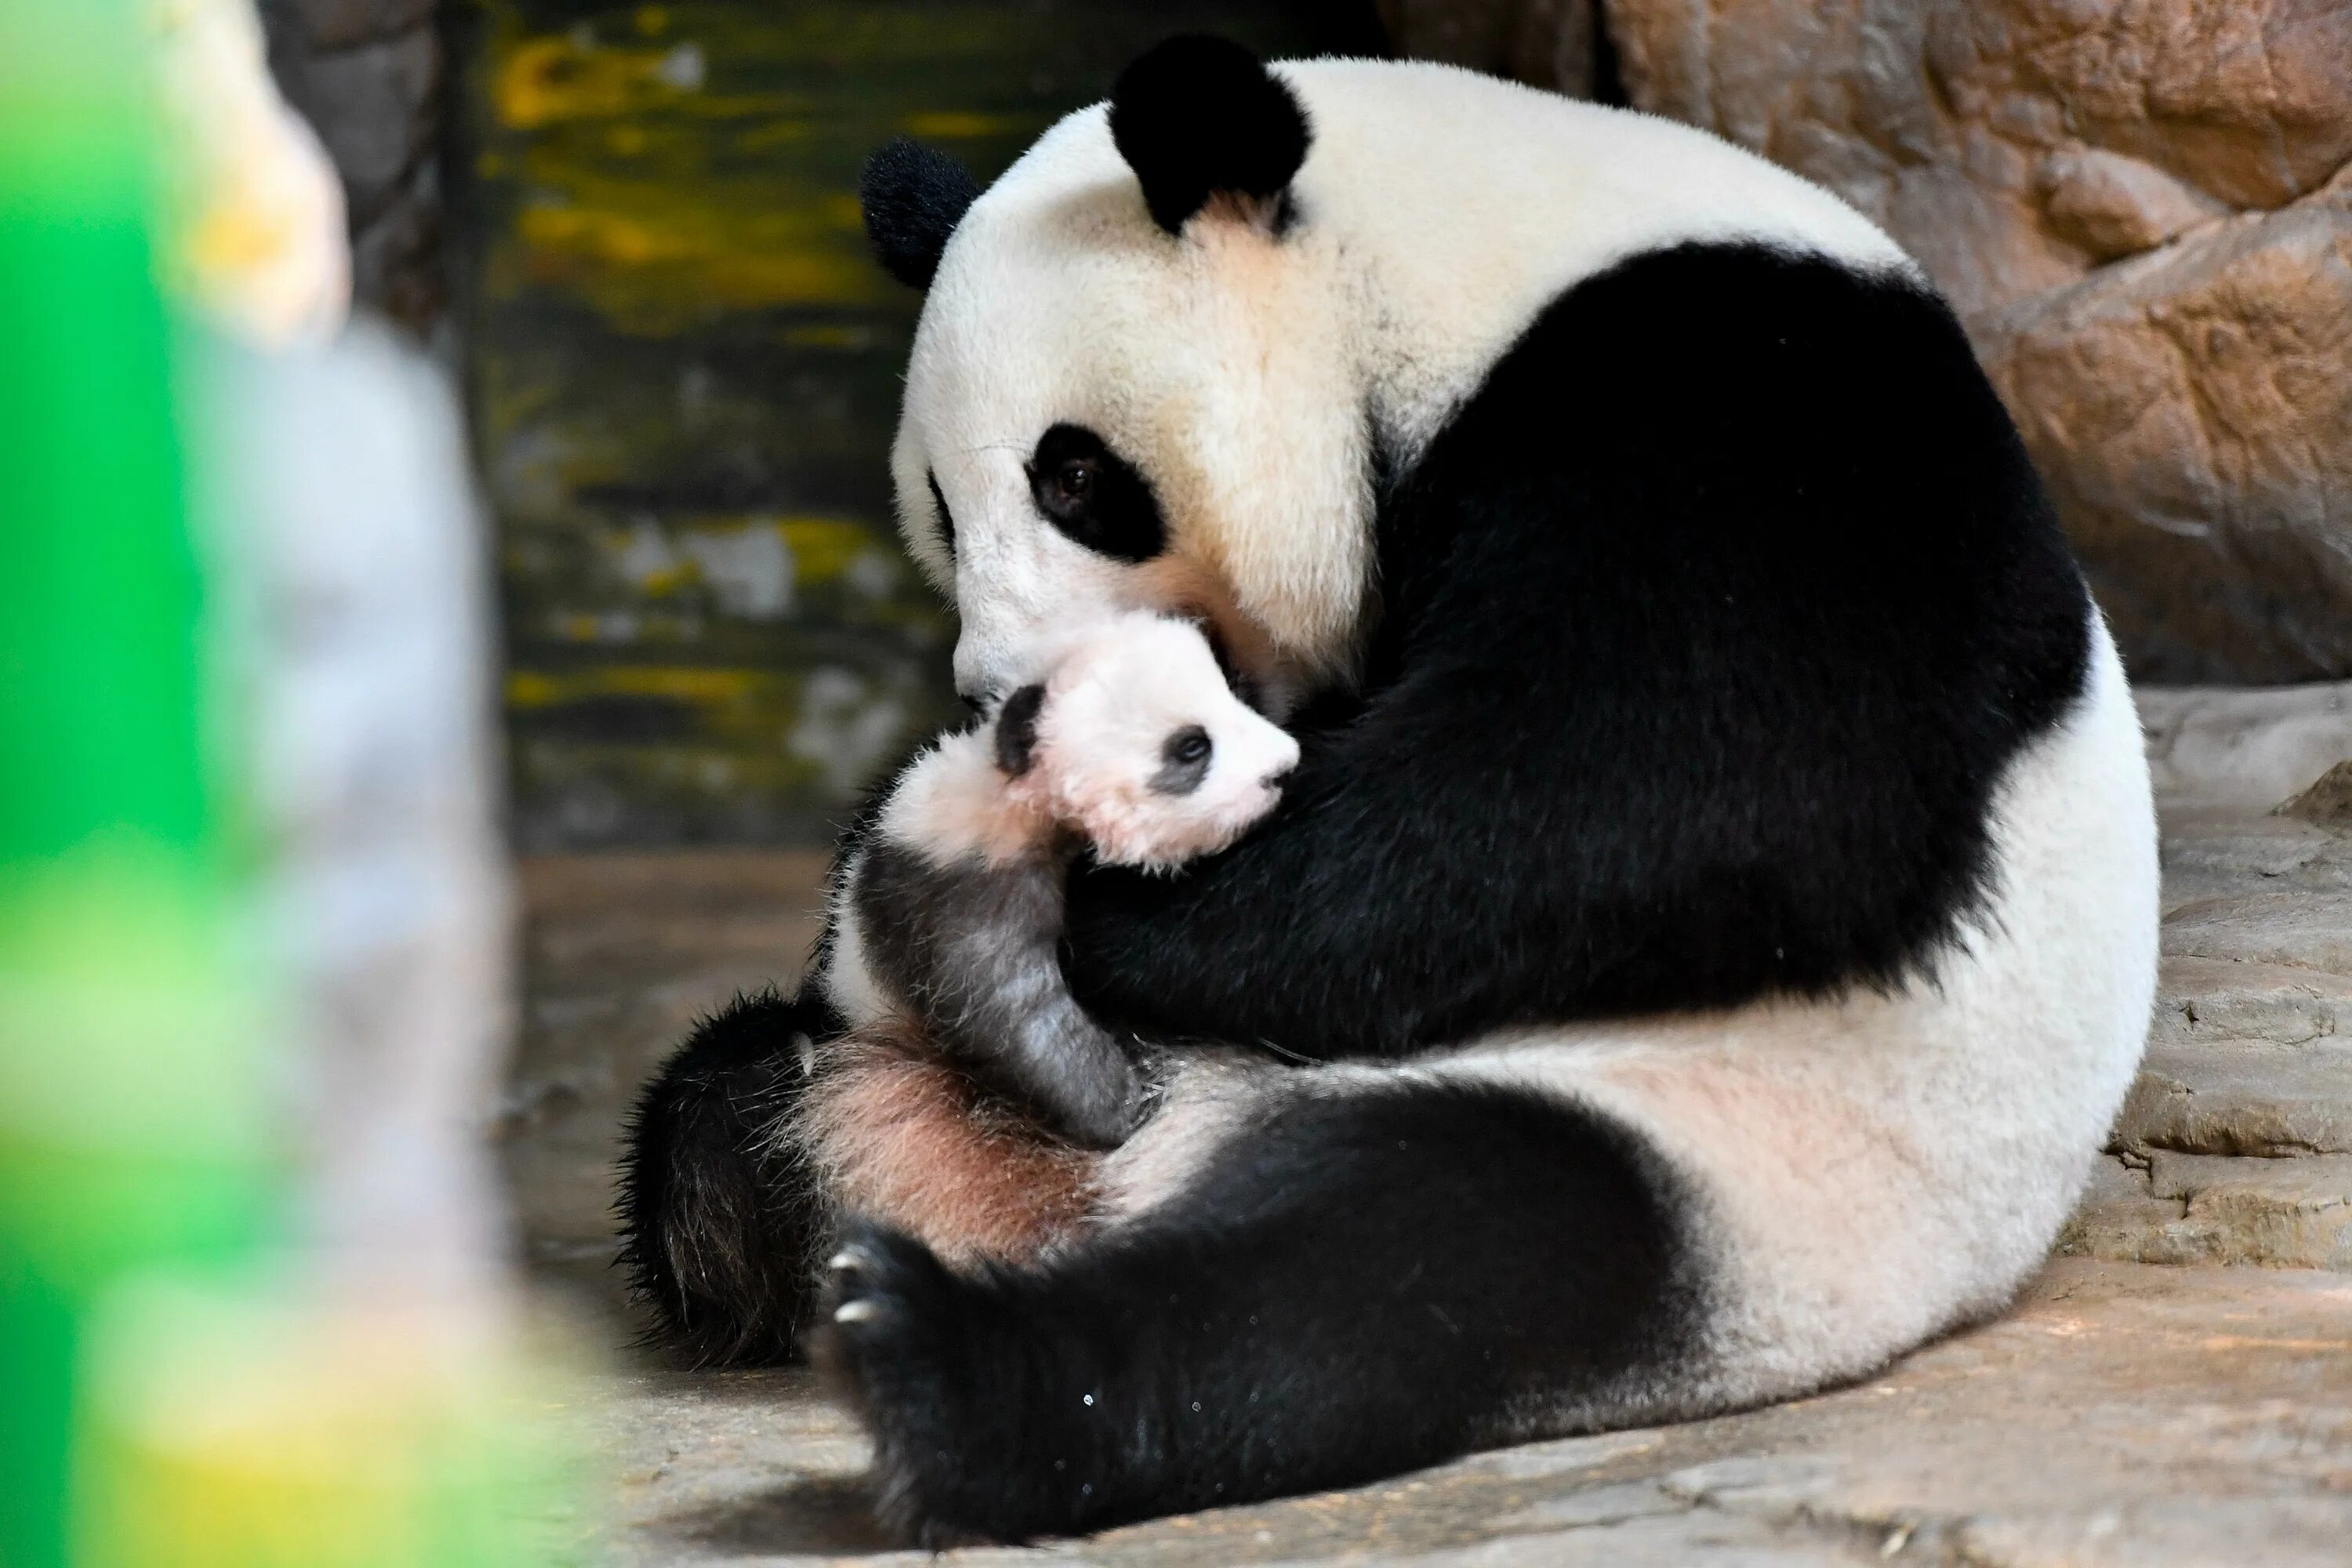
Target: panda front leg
{"x":1368,"y":1276}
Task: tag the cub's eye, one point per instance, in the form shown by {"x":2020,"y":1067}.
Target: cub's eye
{"x":1076,"y":480}
{"x":1183,"y":762}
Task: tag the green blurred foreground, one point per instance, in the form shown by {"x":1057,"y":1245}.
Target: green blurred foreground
{"x":172,"y":1393}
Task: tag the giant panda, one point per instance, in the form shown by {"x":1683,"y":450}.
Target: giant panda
{"x":1712,"y":922}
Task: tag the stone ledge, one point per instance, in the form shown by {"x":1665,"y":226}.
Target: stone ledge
{"x":2249,"y":1098}
{"x":2231,"y":1146}
{"x":2210,"y":1209}
{"x":2241,"y":749}
{"x":2210,"y":1000}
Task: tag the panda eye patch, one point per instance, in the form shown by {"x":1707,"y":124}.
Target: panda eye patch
{"x":1183,"y":760}
{"x":1093,"y":496}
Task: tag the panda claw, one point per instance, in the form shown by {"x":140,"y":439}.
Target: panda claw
{"x":857,"y":1311}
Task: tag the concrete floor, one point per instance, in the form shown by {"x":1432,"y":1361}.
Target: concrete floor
{"x":2131,"y":1410}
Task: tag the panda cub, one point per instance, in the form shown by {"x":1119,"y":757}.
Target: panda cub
{"x":950,"y":913}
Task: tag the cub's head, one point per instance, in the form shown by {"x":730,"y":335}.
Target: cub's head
{"x":1135,"y":383}
{"x":1135,"y":740}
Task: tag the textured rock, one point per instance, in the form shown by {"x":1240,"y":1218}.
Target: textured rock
{"x":2300,"y":928}
{"x":2203,"y":1002}
{"x":2234,"y":1144}
{"x":2192,"y":411}
{"x":2328,"y":801}
{"x":2242,"y":751}
{"x":1981,"y":134}
{"x":2192,"y":405}
{"x":2112,"y":205}
{"x":2255,"y":1097}
{"x":2204,"y":1209}
{"x":2290,"y":1211}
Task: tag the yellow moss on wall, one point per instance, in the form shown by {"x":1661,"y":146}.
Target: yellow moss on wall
{"x":684,"y":368}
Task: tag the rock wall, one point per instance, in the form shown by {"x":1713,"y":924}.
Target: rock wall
{"x":2142,"y":208}
{"x":368,"y":76}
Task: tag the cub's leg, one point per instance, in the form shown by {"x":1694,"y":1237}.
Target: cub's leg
{"x":1363,"y":1279}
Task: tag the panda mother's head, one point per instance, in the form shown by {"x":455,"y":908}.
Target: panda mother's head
{"x":1133,"y":384}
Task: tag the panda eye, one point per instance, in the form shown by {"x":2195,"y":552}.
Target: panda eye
{"x":1189,"y":745}
{"x":1094,"y":497}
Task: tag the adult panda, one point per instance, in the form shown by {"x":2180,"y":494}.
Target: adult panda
{"x":1713,"y":921}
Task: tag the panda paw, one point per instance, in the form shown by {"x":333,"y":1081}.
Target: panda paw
{"x":899,"y":1334}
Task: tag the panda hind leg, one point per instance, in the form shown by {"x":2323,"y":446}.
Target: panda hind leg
{"x":1359,"y":1284}
{"x":720,"y":1222}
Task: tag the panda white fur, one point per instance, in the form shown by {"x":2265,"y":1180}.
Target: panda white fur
{"x":948,"y":914}
{"x":1716,"y":902}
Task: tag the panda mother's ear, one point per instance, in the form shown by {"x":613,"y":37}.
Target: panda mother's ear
{"x":913,"y":196}
{"x":1200,"y":116}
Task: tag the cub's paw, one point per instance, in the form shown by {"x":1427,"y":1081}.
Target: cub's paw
{"x":899,"y":1334}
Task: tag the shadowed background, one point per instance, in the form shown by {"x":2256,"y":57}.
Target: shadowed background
{"x":685,"y":370}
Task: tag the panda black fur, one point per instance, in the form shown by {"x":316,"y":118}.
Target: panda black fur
{"x":1716,"y":903}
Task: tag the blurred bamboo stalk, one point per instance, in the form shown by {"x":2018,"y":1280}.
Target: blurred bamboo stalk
{"x":253,"y":1306}
{"x":132,"y":1128}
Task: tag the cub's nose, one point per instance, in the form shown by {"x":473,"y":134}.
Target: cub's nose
{"x":1280,"y":775}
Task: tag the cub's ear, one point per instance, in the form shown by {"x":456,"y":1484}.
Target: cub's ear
{"x":1016,"y":730}
{"x":1200,"y":117}
{"x":913,"y":196}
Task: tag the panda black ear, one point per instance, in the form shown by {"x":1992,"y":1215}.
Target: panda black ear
{"x":913,"y":196}
{"x":1198,"y":117}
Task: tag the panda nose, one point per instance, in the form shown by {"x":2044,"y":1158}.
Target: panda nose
{"x":1280,"y":775}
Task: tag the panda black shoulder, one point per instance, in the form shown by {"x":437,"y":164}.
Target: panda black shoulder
{"x":1753,"y":527}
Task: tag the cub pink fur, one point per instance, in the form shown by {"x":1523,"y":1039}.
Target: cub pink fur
{"x":950,"y":917}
